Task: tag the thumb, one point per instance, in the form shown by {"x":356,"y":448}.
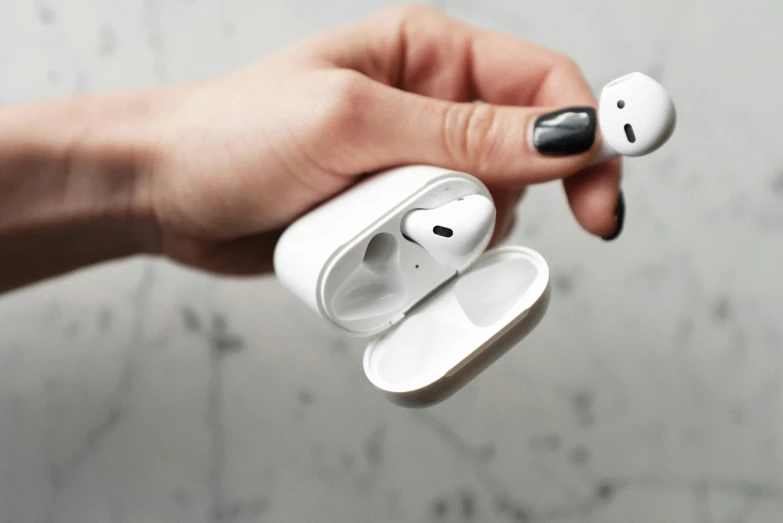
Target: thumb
{"x":499,"y":144}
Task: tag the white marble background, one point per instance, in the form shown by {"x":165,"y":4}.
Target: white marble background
{"x":142,"y":392}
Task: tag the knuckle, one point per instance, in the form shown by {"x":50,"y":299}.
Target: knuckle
{"x":470,"y":134}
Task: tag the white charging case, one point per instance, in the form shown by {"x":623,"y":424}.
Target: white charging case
{"x":432,"y":328}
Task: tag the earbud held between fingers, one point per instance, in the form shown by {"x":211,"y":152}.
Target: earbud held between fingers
{"x":636,"y":116}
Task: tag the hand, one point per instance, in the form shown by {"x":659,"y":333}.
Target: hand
{"x":242,"y":156}
{"x":209,"y":174}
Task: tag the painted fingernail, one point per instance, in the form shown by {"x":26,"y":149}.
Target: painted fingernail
{"x":619,"y":217}
{"x":565,"y":131}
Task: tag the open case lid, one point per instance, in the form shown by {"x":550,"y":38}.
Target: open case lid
{"x":460,"y":330}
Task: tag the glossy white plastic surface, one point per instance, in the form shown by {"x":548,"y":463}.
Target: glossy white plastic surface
{"x":465,"y":326}
{"x":636,"y":116}
{"x":349,"y":261}
{"x":361,"y":294}
{"x":305,"y":247}
{"x":454,"y":233}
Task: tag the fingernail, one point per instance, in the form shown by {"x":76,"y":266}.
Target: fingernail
{"x":619,"y":217}
{"x":565,"y":131}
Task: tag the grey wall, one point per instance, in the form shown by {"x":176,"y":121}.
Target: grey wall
{"x":141,"y":392}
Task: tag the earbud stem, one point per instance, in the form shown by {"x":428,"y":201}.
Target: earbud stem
{"x":606,"y":153}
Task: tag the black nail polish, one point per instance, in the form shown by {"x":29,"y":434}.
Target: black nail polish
{"x":619,"y":217}
{"x":566,"y":131}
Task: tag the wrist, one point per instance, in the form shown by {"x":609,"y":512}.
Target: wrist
{"x":112,"y":150}
{"x":116,"y":148}
{"x":80,"y":160}
{"x":74,"y":187}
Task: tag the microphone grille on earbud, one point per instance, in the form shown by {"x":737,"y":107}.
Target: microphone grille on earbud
{"x":443,"y":231}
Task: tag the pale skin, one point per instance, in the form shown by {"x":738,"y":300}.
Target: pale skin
{"x":209,"y":174}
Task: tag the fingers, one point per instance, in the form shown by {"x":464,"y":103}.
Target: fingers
{"x":508,"y":70}
{"x":596,"y":200}
{"x":506,"y":201}
{"x":423,"y":51}
{"x":502,"y":145}
{"x":593,"y":193}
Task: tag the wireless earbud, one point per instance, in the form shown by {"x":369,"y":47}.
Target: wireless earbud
{"x":455,"y":232}
{"x":636,"y":116}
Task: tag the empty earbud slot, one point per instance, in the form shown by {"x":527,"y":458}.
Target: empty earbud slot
{"x":376,"y":287}
{"x":486,"y":294}
{"x":380,"y":253}
{"x":422,"y":346}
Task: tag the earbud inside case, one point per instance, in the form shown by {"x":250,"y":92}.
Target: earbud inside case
{"x":431,"y":328}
